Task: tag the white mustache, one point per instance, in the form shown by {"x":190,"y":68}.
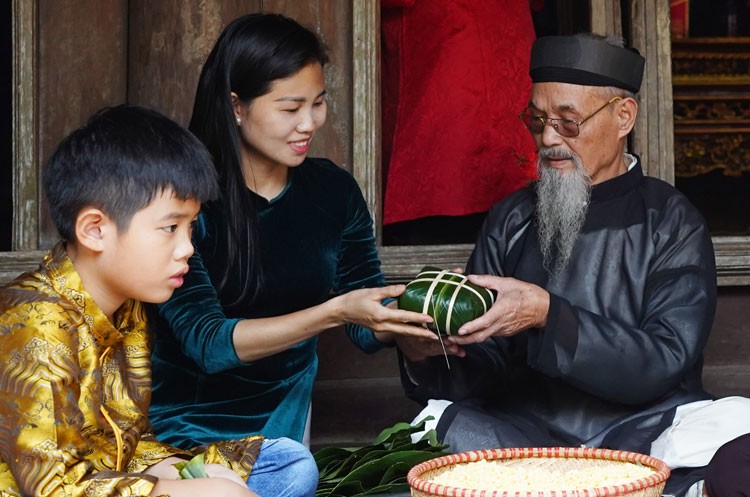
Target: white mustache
{"x":556,"y":153}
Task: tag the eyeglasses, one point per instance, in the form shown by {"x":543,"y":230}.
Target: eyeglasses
{"x":568,"y":128}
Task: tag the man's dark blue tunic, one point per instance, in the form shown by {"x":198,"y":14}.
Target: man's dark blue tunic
{"x":628,"y":320}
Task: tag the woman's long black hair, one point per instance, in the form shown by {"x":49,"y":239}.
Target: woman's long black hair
{"x":252,"y":52}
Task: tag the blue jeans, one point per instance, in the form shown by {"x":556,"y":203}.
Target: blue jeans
{"x":284,"y":468}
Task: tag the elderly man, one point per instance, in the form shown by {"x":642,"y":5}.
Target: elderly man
{"x":605,"y":278}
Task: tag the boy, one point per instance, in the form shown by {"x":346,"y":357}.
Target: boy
{"x":75,"y":378}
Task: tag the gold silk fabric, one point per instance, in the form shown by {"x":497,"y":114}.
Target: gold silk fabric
{"x":75,"y":390}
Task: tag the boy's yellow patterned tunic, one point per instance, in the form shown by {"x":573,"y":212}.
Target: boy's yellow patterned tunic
{"x":75,"y":391}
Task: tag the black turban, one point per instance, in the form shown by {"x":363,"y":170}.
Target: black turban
{"x":585,"y":61}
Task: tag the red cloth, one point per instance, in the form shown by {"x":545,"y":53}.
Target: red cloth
{"x":455,"y":78}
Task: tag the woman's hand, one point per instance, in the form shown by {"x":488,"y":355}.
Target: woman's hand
{"x":364,"y":307}
{"x":255,"y":339}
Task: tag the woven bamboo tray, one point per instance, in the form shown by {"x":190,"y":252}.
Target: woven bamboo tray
{"x":552,"y":458}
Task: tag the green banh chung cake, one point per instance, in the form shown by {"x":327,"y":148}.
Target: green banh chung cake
{"x":449,"y":298}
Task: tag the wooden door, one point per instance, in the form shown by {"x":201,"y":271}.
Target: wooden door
{"x":73,"y":57}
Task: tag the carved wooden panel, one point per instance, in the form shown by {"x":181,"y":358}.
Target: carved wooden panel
{"x":711,"y":105}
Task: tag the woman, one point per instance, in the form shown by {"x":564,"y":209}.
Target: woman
{"x":288,"y":233}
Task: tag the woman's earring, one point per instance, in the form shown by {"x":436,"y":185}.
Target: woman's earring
{"x":239,"y":121}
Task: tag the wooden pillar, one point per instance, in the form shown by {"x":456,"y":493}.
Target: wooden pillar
{"x":606,"y":18}
{"x":653,"y":136}
{"x":25,"y":231}
{"x":366,"y":161}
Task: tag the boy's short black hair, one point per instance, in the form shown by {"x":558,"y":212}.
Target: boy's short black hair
{"x":119,"y":161}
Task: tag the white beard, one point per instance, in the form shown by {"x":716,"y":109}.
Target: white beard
{"x":563,"y":199}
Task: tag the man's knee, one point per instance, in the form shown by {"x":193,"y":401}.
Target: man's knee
{"x":728,"y":473}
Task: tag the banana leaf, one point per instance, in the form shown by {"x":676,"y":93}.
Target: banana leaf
{"x":194,"y":468}
{"x":378,"y":467}
{"x":331,"y":454}
{"x":395,"y":474}
{"x":372,"y":474}
{"x":347,"y":462}
{"x":449,"y":298}
{"x":399,"y":430}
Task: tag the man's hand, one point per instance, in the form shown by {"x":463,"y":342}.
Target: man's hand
{"x":519,"y":306}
